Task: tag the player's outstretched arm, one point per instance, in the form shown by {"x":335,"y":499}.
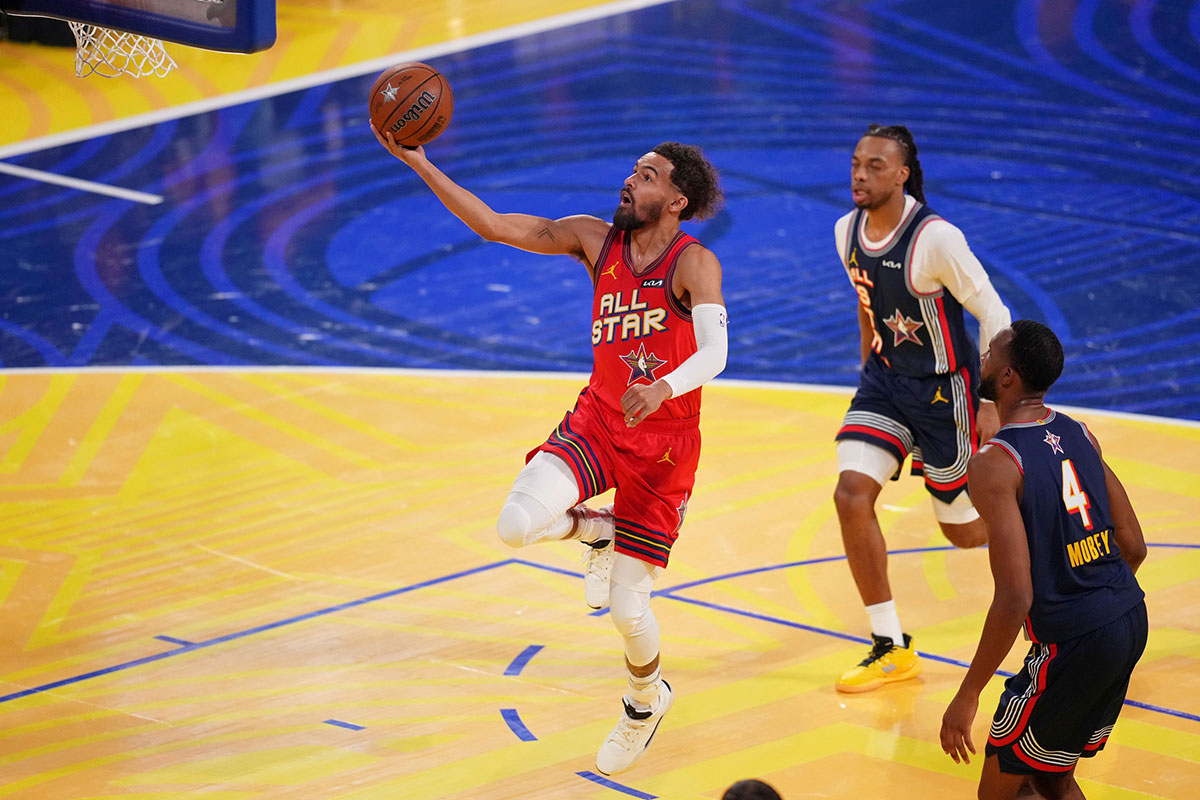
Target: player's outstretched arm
{"x":579,"y":236}
{"x":1126,"y":528}
{"x":995,"y":481}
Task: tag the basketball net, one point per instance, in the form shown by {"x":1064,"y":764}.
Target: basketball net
{"x":109,"y":53}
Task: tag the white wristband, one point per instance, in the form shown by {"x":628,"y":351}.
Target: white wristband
{"x":712,"y":348}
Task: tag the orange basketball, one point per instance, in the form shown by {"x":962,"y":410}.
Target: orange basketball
{"x":413,"y":101}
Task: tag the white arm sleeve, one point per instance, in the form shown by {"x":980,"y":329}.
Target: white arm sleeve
{"x":712,"y":347}
{"x":942,"y":256}
{"x":987,"y":307}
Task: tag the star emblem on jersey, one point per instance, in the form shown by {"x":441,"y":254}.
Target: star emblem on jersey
{"x":1053,"y":441}
{"x":904,"y":328}
{"x":642,"y":364}
{"x":389,"y":93}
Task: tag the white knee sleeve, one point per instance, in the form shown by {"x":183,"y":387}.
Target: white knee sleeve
{"x":537,"y":505}
{"x":958,"y":512}
{"x":854,"y":455}
{"x":516,"y":524}
{"x":629,"y":600}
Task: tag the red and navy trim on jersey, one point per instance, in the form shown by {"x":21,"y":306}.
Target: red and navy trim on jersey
{"x":674,"y":304}
{"x":646,"y":544}
{"x":580,"y":455}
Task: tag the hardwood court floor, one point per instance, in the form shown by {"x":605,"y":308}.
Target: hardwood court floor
{"x":273,"y":583}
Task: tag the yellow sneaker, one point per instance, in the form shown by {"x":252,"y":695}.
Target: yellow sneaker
{"x":886,"y":663}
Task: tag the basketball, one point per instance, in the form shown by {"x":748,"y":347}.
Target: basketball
{"x":413,"y":101}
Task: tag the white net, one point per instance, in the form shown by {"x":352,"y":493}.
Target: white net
{"x":109,"y":53}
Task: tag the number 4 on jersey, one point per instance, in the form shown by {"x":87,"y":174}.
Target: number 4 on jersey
{"x":1074,"y":498}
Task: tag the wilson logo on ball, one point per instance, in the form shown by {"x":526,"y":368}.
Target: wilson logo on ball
{"x":414,"y":112}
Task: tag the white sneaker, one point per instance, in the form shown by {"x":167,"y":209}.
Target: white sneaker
{"x":626,"y":743}
{"x":597,"y":570}
{"x":597,"y":535}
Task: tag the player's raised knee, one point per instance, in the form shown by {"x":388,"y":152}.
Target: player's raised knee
{"x":514,"y":525}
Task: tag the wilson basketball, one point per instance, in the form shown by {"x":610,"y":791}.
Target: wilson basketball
{"x":413,"y":101}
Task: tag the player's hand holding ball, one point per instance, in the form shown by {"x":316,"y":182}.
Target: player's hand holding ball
{"x":410,"y":105}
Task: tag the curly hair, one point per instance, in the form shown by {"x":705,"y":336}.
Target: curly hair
{"x":915,"y":185}
{"x":695,"y":178}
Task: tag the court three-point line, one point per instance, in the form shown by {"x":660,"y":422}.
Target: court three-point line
{"x":81,"y":185}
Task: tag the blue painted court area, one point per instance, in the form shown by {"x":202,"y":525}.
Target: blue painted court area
{"x":1061,"y":137}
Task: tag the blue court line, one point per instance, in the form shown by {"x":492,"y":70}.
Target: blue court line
{"x":522,"y":659}
{"x":923,"y":653}
{"x":513,"y":719}
{"x":348,"y":725}
{"x":229,"y":637}
{"x":173,"y":640}
{"x":547,"y":568}
{"x":603,"y":781}
{"x":669,"y":593}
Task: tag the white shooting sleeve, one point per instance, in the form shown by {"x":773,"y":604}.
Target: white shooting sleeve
{"x":712,"y":348}
{"x":942,"y":256}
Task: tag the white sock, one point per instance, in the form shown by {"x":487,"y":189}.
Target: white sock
{"x":643,"y":691}
{"x":886,"y":622}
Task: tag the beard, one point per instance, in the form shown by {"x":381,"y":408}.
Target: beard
{"x":625,"y":218}
{"x":987,"y":388}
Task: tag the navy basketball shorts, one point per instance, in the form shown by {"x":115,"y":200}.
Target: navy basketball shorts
{"x":1063,"y":704}
{"x":931,"y":417}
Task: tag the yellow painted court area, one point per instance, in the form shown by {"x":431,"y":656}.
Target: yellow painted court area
{"x":317,"y":552}
{"x":41,"y":96}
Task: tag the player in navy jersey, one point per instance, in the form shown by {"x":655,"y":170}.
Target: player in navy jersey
{"x":658,"y":334}
{"x":914,"y":275}
{"x":1064,"y":544}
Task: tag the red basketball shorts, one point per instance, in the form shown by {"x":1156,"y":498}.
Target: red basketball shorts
{"x":652,"y":467}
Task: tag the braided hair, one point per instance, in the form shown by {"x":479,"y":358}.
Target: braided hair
{"x":915,"y":185}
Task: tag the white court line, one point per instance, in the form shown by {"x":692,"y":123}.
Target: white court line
{"x":246,"y":562}
{"x":330,"y":75}
{"x":81,"y":185}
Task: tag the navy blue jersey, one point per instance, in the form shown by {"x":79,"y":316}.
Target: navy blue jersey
{"x":916,"y":334}
{"x":1080,"y":581}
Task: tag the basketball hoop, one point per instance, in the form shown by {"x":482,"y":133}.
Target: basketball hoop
{"x":109,"y":53}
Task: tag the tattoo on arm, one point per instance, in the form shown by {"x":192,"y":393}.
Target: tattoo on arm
{"x":545,"y":233}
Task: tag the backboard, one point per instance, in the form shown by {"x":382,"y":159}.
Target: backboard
{"x":235,"y":26}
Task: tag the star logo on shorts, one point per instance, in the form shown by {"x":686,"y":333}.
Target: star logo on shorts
{"x":904,"y":328}
{"x":389,"y":93}
{"x":1053,"y":441}
{"x":641,"y":364}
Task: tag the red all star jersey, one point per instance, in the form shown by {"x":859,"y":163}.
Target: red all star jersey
{"x":640,"y":330}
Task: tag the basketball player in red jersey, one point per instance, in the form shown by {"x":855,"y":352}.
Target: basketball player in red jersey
{"x":658,"y":334}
